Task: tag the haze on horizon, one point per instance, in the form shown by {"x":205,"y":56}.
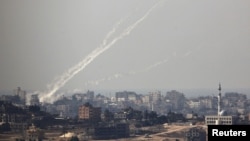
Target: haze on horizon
{"x":181,"y":44}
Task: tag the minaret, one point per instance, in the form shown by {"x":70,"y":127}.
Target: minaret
{"x":219,"y":100}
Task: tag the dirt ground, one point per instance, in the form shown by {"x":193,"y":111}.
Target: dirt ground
{"x":169,"y":133}
{"x":9,"y":136}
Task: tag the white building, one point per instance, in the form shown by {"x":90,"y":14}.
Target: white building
{"x":194,"y":103}
{"x":219,"y":120}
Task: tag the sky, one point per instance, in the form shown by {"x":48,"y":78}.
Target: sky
{"x":179,"y":45}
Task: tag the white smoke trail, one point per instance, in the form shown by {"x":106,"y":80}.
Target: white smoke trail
{"x":87,"y":60}
{"x":187,"y":53}
{"x":111,"y":33}
{"x":119,"y":75}
{"x":59,"y":82}
{"x":156,"y":64}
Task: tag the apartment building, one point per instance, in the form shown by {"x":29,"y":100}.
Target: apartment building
{"x":87,"y":112}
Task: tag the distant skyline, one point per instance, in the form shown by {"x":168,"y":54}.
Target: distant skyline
{"x":180,"y":45}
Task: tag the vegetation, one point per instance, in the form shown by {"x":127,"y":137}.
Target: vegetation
{"x":5,"y":127}
{"x":108,"y":116}
{"x":74,"y":138}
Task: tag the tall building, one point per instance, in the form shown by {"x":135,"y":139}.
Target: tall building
{"x":21,"y":93}
{"x":89,"y":95}
{"x":125,"y":96}
{"x":176,"y":99}
{"x":88,"y":112}
{"x":34,"y":100}
{"x":156,"y":96}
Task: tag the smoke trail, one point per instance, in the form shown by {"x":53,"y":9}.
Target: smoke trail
{"x":111,"y":32}
{"x":156,"y":64}
{"x":87,"y":60}
{"x":119,"y":75}
{"x":59,"y":82}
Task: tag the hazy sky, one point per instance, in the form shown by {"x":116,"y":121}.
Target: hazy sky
{"x":181,"y":44}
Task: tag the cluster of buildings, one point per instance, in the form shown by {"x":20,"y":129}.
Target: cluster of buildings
{"x":226,"y":109}
{"x":230,"y":106}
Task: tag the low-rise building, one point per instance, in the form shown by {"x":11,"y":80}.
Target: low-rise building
{"x":219,"y":120}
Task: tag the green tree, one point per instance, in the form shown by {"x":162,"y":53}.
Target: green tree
{"x":152,"y":115}
{"x":162,"y":119}
{"x":108,"y":116}
{"x":5,"y":127}
{"x":137,"y":115}
{"x":145,"y":114}
{"x":74,"y":138}
{"x":34,"y":108}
